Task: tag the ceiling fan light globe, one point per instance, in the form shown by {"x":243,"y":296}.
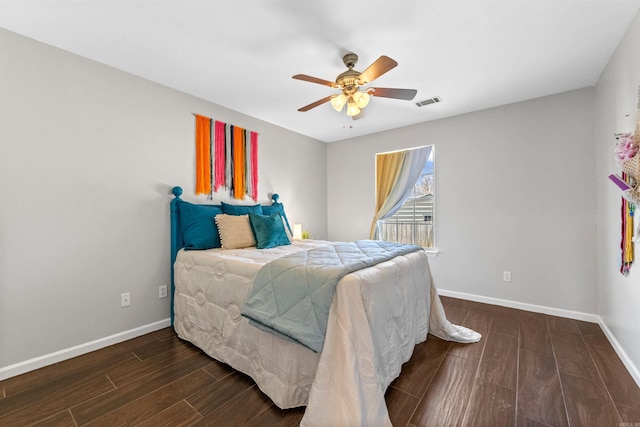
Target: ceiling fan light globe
{"x":361,"y":99}
{"x":338,"y":102}
{"x":352,"y":109}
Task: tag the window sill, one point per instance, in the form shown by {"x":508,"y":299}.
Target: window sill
{"x":432,"y":252}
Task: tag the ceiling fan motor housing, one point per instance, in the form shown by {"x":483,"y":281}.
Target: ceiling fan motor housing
{"x":348,"y":81}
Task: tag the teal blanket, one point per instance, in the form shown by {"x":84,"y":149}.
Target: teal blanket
{"x":292,"y":295}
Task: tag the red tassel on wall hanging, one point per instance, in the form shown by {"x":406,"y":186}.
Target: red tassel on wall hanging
{"x":220,"y":156}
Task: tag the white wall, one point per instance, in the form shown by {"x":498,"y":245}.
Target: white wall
{"x":514,"y":191}
{"x":616,"y":111}
{"x":88,"y":155}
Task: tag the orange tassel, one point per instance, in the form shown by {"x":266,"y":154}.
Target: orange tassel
{"x":238,"y":163}
{"x":203,"y":155}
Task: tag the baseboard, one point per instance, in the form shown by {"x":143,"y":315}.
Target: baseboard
{"x":577,"y":315}
{"x":628,"y":363}
{"x":68,"y":353}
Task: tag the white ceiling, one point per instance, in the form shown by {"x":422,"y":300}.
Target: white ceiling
{"x":241,"y":54}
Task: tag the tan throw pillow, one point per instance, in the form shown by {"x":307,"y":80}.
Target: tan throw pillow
{"x":235,"y":231}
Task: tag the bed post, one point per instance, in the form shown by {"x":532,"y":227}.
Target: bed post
{"x":176,"y":239}
{"x":275,"y":202}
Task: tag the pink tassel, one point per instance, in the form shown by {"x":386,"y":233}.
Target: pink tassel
{"x":220,"y":159}
{"x":254,"y":166}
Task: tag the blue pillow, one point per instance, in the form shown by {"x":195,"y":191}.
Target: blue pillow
{"x":199,"y":231}
{"x":240,"y":209}
{"x":271,"y":209}
{"x":268,"y":230}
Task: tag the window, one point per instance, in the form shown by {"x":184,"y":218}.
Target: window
{"x":413,"y":222}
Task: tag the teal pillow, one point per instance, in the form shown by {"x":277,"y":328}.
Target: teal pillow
{"x":240,"y":209}
{"x":279,"y":207}
{"x":268,"y":230}
{"x":199,"y":231}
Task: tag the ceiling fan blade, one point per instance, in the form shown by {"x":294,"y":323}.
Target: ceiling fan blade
{"x":315,"y":104}
{"x":314,"y":80}
{"x":378,"y":68}
{"x":386,"y":92}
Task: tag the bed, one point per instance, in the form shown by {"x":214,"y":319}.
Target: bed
{"x":371,"y":327}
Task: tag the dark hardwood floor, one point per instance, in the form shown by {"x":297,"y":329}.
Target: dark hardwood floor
{"x":528,"y":370}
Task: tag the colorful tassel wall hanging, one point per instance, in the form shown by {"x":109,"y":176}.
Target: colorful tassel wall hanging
{"x":627,"y":243}
{"x":226,"y":157}
{"x":627,"y":152}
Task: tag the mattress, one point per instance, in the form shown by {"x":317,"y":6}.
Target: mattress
{"x":211,"y":287}
{"x":377,"y":316}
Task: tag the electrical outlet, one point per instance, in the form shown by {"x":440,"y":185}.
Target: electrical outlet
{"x":162,"y":291}
{"x":125,"y":299}
{"x":506,"y":276}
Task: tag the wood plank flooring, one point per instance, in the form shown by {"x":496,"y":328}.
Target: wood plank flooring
{"x":529,"y":370}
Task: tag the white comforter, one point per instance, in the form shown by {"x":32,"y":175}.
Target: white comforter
{"x":373,"y":328}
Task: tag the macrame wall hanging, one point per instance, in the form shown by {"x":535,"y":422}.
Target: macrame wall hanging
{"x":627,"y":151}
{"x":226,"y":157}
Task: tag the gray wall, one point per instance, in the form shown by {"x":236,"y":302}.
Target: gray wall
{"x":88,"y":155}
{"x":616,"y":100}
{"x":514,"y":191}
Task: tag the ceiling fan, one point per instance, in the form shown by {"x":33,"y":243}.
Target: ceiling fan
{"x":351,"y":83}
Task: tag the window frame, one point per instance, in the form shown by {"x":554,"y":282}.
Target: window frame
{"x":428,"y":196}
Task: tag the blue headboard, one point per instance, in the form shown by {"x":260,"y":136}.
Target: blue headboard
{"x":177,"y":240}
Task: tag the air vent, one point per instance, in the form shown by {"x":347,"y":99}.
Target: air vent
{"x":433,"y":100}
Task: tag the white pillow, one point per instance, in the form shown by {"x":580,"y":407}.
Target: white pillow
{"x":235,"y":231}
